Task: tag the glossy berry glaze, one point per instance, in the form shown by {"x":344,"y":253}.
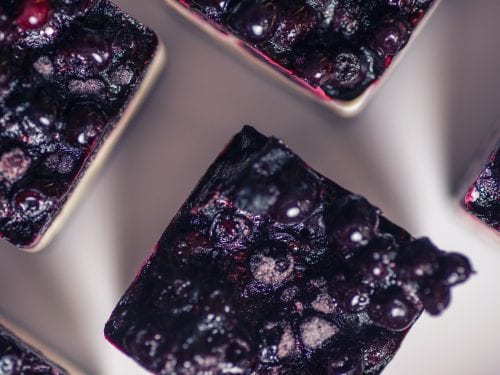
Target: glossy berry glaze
{"x":483,"y":197}
{"x":18,"y":358}
{"x":271,"y":268}
{"x":337,"y":48}
{"x":68,"y":69}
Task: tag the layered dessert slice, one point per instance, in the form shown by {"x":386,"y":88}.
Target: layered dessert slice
{"x":334,"y":50}
{"x":271,"y":268}
{"x":71,"y":75}
{"x":482,"y":199}
{"x":20,"y":354}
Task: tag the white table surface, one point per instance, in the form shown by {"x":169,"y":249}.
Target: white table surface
{"x":406,"y":152}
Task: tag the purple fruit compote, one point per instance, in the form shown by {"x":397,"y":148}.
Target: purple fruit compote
{"x":271,"y":268}
{"x":68,"y":71}
{"x":19,"y":358}
{"x":336,"y":48}
{"x":483,"y":197}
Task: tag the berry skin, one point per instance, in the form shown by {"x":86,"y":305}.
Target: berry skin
{"x":317,"y":70}
{"x":390,"y":37}
{"x":454,"y":269}
{"x":393,"y":310}
{"x":352,"y":223}
{"x":31,"y":203}
{"x":297,"y":21}
{"x":435,"y":297}
{"x":85,"y":123}
{"x":255,"y":20}
{"x":88,"y":55}
{"x":352,"y":72}
{"x":417,"y":260}
{"x":34,"y":14}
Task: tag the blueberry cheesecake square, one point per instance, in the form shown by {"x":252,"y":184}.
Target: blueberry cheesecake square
{"x":336,"y":51}
{"x":21,"y":354}
{"x":72,"y":73}
{"x":271,"y":268}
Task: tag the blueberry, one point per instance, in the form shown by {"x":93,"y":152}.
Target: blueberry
{"x":435,"y":297}
{"x":85,"y":122}
{"x":31,"y":203}
{"x":34,"y":14}
{"x":353,"y":71}
{"x":61,"y":162}
{"x":393,"y":310}
{"x":297,"y":199}
{"x":341,"y":360}
{"x":376,"y":264}
{"x":317,"y":69}
{"x":417,"y":260}
{"x":352,"y":222}
{"x":297,"y":22}
{"x":391,"y":36}
{"x":352,"y":17}
{"x":86,"y":56}
{"x":10,"y":364}
{"x":356,"y":299}
{"x":255,"y":20}
{"x":454,"y":268}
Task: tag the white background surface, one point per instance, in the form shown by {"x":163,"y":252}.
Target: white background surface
{"x":405,"y":152}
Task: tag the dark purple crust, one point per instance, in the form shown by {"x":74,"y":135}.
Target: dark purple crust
{"x":17,"y":357}
{"x":271,"y":267}
{"x":64,"y":87}
{"x":483,"y":197}
{"x":337,"y":48}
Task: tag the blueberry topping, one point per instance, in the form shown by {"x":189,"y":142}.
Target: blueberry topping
{"x":250,"y":279}
{"x":68,"y":69}
{"x":338,"y":46}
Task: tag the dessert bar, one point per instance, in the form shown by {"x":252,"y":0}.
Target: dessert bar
{"x":271,"y":268}
{"x":333,"y":50}
{"x":71,"y":75}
